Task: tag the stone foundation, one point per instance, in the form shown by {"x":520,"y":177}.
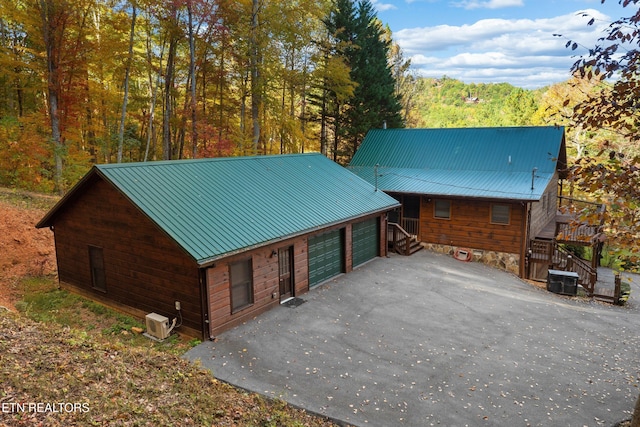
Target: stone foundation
{"x":502,"y":260}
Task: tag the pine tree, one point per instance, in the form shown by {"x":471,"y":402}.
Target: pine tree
{"x":360,"y":39}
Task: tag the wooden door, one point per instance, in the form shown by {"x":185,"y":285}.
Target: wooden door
{"x":285,"y":267}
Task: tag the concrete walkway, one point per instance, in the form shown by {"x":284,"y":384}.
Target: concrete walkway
{"x":429,"y":340}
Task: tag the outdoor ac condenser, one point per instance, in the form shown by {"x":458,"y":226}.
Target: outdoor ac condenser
{"x":562,"y":282}
{"x":158,"y":326}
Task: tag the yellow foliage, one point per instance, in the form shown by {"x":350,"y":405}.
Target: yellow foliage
{"x":25,"y":154}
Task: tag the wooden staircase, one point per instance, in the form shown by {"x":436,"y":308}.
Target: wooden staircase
{"x":400,"y":241}
{"x":549,"y":253}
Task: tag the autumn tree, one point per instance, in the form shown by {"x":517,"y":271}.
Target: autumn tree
{"x":99,"y":81}
{"x":375,"y":103}
{"x":519,"y":107}
{"x":332,"y":87}
{"x":125,"y":100}
{"x":613,"y":174}
{"x":405,"y":80}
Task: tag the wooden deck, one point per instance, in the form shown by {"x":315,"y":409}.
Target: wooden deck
{"x":547,"y":248}
{"x":605,"y":286}
{"x":564,"y":229}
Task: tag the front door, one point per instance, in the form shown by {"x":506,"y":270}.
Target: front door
{"x":285,"y":268}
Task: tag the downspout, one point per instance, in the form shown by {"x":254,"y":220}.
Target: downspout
{"x":204,"y":304}
{"x":525,"y":265}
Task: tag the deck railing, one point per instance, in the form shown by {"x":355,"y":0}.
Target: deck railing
{"x":567,"y":261}
{"x":549,"y":253}
{"x":410,"y":225}
{"x":578,"y":221}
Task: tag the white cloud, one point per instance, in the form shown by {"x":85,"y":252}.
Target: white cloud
{"x":381,"y":7}
{"x":522,"y":51}
{"x":489,"y":4}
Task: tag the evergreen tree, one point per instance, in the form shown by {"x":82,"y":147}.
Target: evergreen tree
{"x":360,"y":39}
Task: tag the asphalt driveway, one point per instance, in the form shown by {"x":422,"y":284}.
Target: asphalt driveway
{"x":429,"y":340}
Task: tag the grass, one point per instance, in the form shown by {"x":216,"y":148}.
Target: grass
{"x":62,"y":347}
{"x":625,"y":292}
{"x":44,"y":302}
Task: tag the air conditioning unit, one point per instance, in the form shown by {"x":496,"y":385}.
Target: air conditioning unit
{"x":157,"y":326}
{"x":562,"y":282}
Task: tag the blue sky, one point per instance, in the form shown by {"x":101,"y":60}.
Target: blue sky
{"x":493,"y":41}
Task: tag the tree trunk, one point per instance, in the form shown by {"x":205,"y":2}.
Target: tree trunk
{"x":256,"y":89}
{"x":126,"y":86}
{"x":47,"y":10}
{"x":192,"y":71}
{"x":168,"y":89}
{"x":221,"y":94}
{"x":635,"y":421}
{"x":153,"y":94}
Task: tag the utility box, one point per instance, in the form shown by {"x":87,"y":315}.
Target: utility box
{"x":562,"y":282}
{"x":157,"y":326}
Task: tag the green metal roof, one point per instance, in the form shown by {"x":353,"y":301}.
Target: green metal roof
{"x":495,"y":163}
{"x":216,"y":207}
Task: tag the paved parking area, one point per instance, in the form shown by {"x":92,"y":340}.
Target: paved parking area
{"x":429,"y":340}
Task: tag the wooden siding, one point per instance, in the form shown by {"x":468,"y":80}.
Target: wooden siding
{"x":265,"y":277}
{"x":384,"y":247}
{"x":348,"y":251}
{"x":145,"y":269}
{"x":545,"y":210}
{"x":470,"y":226}
{"x":266,"y":285}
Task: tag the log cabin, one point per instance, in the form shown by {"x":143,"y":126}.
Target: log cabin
{"x":221,"y":239}
{"x":481,"y":193}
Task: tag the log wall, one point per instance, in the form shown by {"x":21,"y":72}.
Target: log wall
{"x":144,"y":268}
{"x":470,"y":226}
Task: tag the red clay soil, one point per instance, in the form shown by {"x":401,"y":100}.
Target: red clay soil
{"x":24,"y":250}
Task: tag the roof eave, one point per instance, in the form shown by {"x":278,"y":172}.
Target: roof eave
{"x":48,"y":219}
{"x":533,"y":198}
{"x":207,"y":262}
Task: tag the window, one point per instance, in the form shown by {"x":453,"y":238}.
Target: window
{"x":551,"y":204}
{"x":500,"y":214}
{"x":442,"y":209}
{"x":241,"y":285}
{"x":96,"y":264}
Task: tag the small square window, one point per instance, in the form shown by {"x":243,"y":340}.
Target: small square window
{"x":241,"y":285}
{"x":500,"y":214}
{"x":442,"y":209}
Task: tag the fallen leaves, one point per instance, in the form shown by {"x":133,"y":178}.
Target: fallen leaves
{"x":116,"y":385}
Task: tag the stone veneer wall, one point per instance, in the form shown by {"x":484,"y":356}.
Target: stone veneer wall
{"x":505,"y":261}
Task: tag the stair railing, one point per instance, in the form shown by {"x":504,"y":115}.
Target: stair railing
{"x":399,"y":239}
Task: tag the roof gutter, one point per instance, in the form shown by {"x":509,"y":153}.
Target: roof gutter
{"x":208,"y":262}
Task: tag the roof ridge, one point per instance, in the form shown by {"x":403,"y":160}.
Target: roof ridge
{"x":474,"y":128}
{"x":200,"y":160}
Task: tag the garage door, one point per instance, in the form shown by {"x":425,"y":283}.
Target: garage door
{"x":326,"y":256}
{"x":365,"y":241}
